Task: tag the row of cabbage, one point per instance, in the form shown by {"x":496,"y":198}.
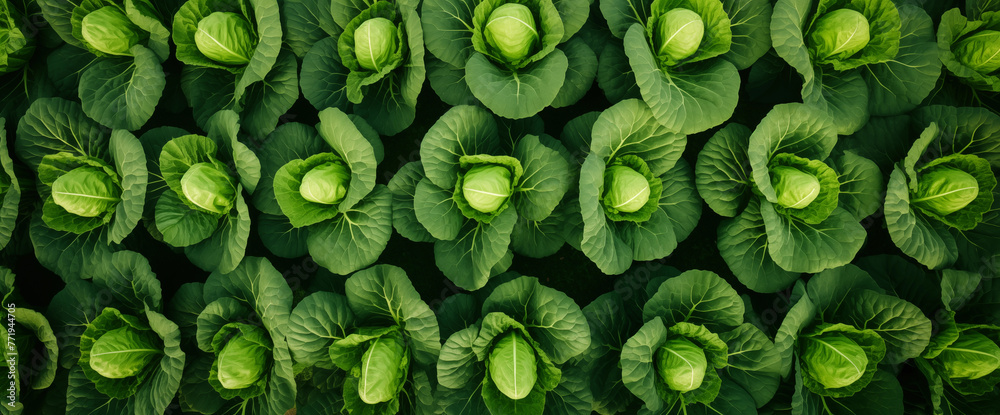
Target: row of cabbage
{"x":244,"y":342}
{"x":614,"y":186}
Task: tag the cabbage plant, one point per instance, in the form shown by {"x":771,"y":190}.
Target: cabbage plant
{"x":233,"y":60}
{"x":857,"y":58}
{"x":795,"y":204}
{"x":196,"y":201}
{"x":636,"y":195}
{"x":10,"y":190}
{"x":35,"y":345}
{"x":968,"y":47}
{"x":242,"y":363}
{"x":365,"y":58}
{"x":695,"y":349}
{"x":318,"y":193}
{"x":380,"y":343}
{"x":939,"y":204}
{"x":92,"y":183}
{"x":841,"y":327}
{"x":122,"y":354}
{"x":515,"y":57}
{"x":515,"y":358}
{"x":684,"y":55}
{"x":113,"y":57}
{"x":474,"y":186}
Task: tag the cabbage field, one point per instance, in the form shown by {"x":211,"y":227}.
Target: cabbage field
{"x":500,"y":207}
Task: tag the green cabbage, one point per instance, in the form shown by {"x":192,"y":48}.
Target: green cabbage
{"x":838,"y":35}
{"x":325,"y":184}
{"x":834,"y":360}
{"x":382,"y":369}
{"x":512,"y":366}
{"x":85,"y":191}
{"x":625,"y":190}
{"x":242,"y":362}
{"x":972,"y":356}
{"x":945,"y":190}
{"x":795,"y":188}
{"x":122,"y":353}
{"x":374,"y":43}
{"x":678,"y":34}
{"x":981,"y":51}
{"x":681,"y":364}
{"x":226,"y":37}
{"x":209,"y":188}
{"x":108,"y":30}
{"x":512,"y":32}
{"x":487,"y":187}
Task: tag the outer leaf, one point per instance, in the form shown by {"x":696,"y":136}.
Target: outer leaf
{"x":688,"y":102}
{"x":582,"y":64}
{"x":383,"y":294}
{"x":799,"y":247}
{"x":638,"y":370}
{"x":551,"y":317}
{"x":130,"y":163}
{"x":723,"y":170}
{"x":743,"y":244}
{"x":403,"y":186}
{"x":224,"y":250}
{"x":123,"y":92}
{"x":437,"y":211}
{"x":358,"y":236}
{"x":927,"y":241}
{"x":469,"y":258}
{"x":905,"y":329}
{"x":630,"y":127}
{"x":751,"y":26}
{"x":54,"y":125}
{"x":280,"y":237}
{"x":696,"y":297}
{"x":900,"y":84}
{"x":266,"y":101}
{"x":545,"y":180}
{"x":517,"y":94}
{"x":318,"y":321}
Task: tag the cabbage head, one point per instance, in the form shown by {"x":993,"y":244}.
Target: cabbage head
{"x":226,"y":37}
{"x":679,"y":33}
{"x":487,"y":187}
{"x":512,"y":366}
{"x":972,"y":356}
{"x":123,"y":352}
{"x":681,"y":364}
{"x":838,"y":35}
{"x":834,"y":360}
{"x":325,"y":184}
{"x":109,"y":31}
{"x":209,"y":187}
{"x":86,"y":191}
{"x":383,"y":369}
{"x":375,"y":43}
{"x":625,"y":190}
{"x":945,"y":190}
{"x":795,"y":188}
{"x":244,"y":359}
{"x":511,"y":31}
